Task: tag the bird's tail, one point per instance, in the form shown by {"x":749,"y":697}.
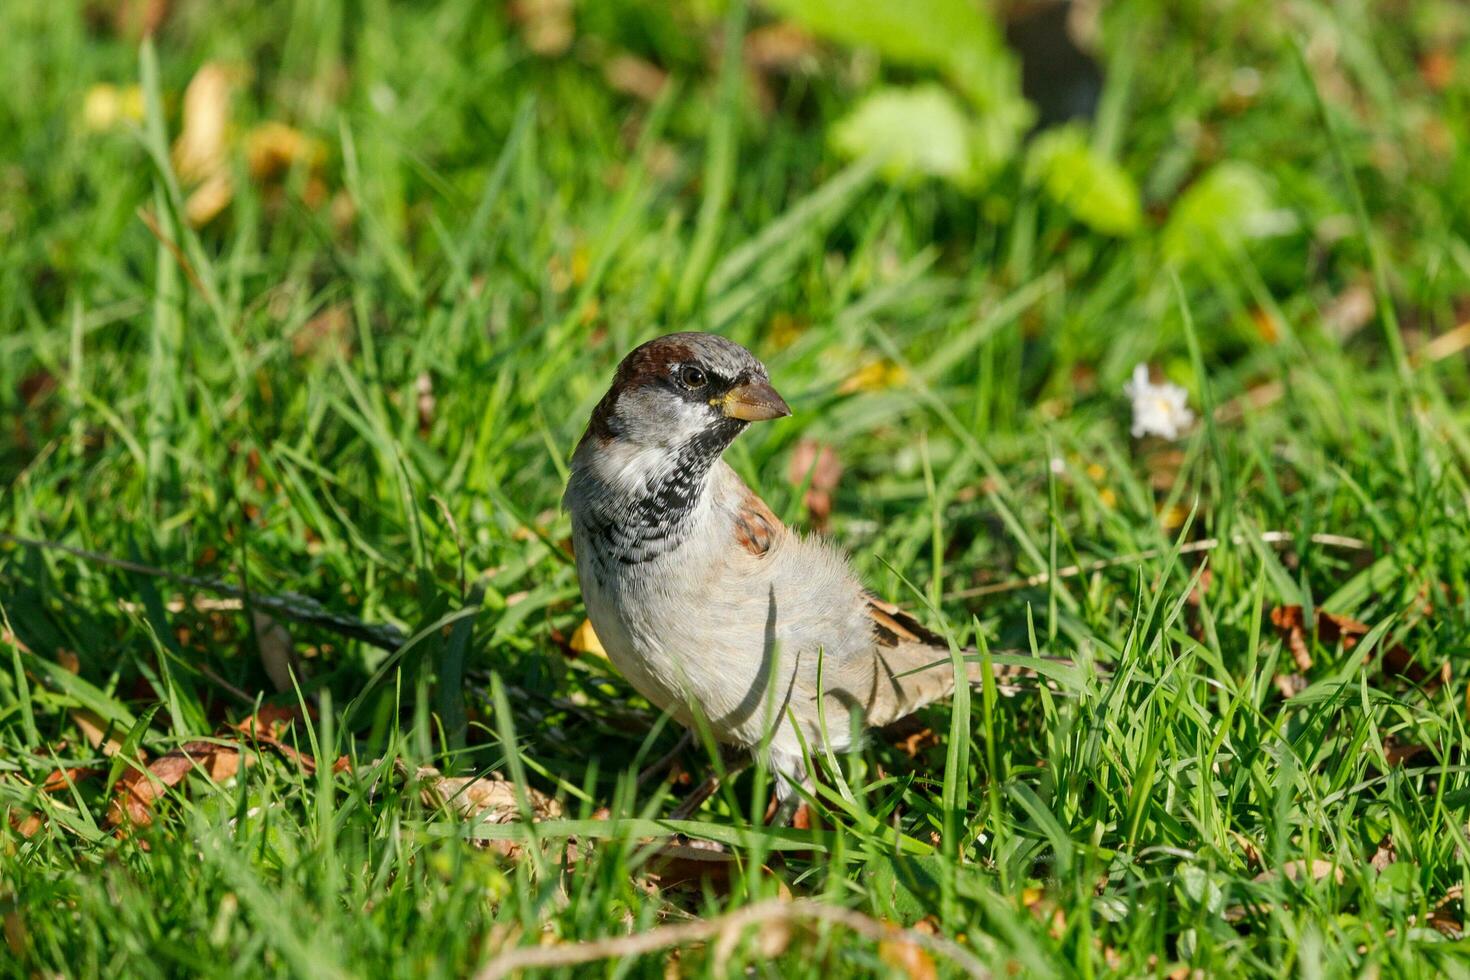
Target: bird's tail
{"x":920,"y":675}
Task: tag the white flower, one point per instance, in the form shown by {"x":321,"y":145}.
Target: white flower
{"x":1158,"y":410}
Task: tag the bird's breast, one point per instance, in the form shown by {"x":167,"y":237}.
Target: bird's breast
{"x":686,"y":632}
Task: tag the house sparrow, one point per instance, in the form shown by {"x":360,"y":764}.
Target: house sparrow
{"x":705,"y":602}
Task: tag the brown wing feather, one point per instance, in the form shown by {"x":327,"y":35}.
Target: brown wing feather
{"x":756,"y":527}
{"x":893,"y":626}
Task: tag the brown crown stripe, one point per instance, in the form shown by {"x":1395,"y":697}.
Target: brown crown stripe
{"x":645,"y":364}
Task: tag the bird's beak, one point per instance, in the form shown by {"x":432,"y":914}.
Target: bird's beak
{"x":755,"y":401}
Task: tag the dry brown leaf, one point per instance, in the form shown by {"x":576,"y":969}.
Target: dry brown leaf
{"x":1449,"y":343}
{"x":1384,"y":855}
{"x":780,"y":47}
{"x":1331,"y":628}
{"x":16,"y":935}
{"x":916,"y":742}
{"x":269,"y":722}
{"x":802,"y":818}
{"x":1397,"y":754}
{"x":329,"y":332}
{"x":273,"y":149}
{"x":56,"y":781}
{"x":634,"y":76}
{"x":1290,"y":685}
{"x":424,"y":401}
{"x":94,"y":730}
{"x":821,"y":461}
{"x":1443,"y":918}
{"x":478,"y":799}
{"x":138,"y":18}
{"x":1248,"y":849}
{"x":492,"y":800}
{"x":1297,"y":870}
{"x":137,"y":790}
{"x":201,"y":150}
{"x":1437,"y":68}
{"x":546,"y":25}
{"x":907,"y":959}
{"x":678,"y":864}
{"x":27,"y":826}
{"x":486,"y":799}
{"x":1397,"y":661}
{"x":209,"y":198}
{"x":59,"y":779}
{"x":1334,"y":626}
{"x":267,"y":727}
{"x":201,"y":153}
{"x":1288,"y":620}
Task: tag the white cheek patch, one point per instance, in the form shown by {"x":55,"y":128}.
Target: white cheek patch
{"x":661,"y":418}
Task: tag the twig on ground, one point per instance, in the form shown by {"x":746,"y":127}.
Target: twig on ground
{"x":726,"y":931}
{"x":151,"y":222}
{"x":656,"y":769}
{"x":1189,"y":548}
{"x":288,"y":605}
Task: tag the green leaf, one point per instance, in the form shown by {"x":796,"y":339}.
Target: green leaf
{"x":915,"y":132}
{"x":1224,"y":209}
{"x":1094,"y":189}
{"x":954,"y":37}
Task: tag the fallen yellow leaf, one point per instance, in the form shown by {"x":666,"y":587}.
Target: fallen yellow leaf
{"x":585,"y":640}
{"x":209,"y":199}
{"x":107,"y":106}
{"x":873,"y":376}
{"x":199,"y":152}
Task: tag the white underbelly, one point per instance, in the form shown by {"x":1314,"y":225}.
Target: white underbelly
{"x":641,"y":665}
{"x":693,"y":653}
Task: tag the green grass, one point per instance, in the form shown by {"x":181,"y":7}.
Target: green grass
{"x":247,"y":401}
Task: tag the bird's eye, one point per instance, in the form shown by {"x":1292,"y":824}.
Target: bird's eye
{"x":692,"y":377}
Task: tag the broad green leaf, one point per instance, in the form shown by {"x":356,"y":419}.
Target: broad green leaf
{"x":1096,"y":191}
{"x":915,"y":132}
{"x":1223,"y":210}
{"x":956,"y":38}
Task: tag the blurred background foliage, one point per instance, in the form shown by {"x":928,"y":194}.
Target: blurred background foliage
{"x":367,"y":125}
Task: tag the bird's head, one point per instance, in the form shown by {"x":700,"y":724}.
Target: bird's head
{"x":685,"y":390}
